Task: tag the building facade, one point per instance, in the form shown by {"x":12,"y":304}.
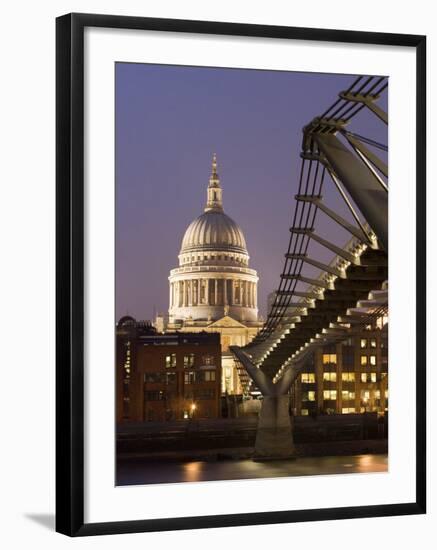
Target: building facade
{"x":213,"y":289}
{"x":162,"y":377}
{"x":344,"y":378}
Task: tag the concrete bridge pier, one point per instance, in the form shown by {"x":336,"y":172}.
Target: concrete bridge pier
{"x":274,"y":436}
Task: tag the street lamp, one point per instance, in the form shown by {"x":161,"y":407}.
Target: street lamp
{"x":193,"y":408}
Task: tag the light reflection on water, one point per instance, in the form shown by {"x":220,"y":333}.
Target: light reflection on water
{"x":140,"y":472}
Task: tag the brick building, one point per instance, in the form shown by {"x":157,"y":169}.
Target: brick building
{"x":166,"y":376}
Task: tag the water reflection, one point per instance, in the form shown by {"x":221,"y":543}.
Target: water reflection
{"x":139,"y":472}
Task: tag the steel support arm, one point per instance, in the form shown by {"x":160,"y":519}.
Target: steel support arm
{"x":327,"y":244}
{"x":359,"y":182}
{"x":327,"y":268}
{"x":264,"y":383}
{"x":374,"y":159}
{"x":355,"y":231}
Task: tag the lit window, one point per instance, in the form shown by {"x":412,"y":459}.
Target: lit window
{"x":330,"y":394}
{"x":373,"y":342}
{"x":209,"y":376}
{"x":208,"y":360}
{"x":372,"y":360}
{"x":386,"y":394}
{"x":373,"y":376}
{"x":363,"y":343}
{"x":309,"y":396}
{"x":364,"y":360}
{"x":348,"y":376}
{"x":329,"y":358}
{"x":189,"y":360}
{"x":363,"y":377}
{"x":304,"y":412}
{"x":377,"y":394}
{"x":190,"y":377}
{"x":170,"y":361}
{"x":348,"y":410}
{"x":308,"y":378}
{"x":330,"y":376}
{"x":346,"y":395}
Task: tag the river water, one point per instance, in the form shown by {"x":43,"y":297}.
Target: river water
{"x":135,"y":471}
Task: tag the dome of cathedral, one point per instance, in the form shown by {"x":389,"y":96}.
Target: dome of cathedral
{"x":213,"y":230}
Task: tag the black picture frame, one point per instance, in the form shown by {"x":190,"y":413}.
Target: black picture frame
{"x":70,"y":273}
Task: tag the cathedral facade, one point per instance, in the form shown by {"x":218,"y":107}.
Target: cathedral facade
{"x":213,"y":289}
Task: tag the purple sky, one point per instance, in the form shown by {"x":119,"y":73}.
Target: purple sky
{"x":169,"y":121}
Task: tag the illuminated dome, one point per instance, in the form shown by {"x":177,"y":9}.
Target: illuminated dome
{"x":213,"y":230}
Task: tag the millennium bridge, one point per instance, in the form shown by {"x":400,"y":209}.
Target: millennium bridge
{"x":328,"y":290}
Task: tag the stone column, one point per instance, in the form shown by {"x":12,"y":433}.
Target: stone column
{"x":207,"y":292}
{"x":215,"y":292}
{"x":233,"y":292}
{"x":225,"y":292}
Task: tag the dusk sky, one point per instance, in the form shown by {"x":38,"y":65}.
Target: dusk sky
{"x":169,"y":121}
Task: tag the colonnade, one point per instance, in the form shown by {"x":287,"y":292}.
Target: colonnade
{"x":213,"y":292}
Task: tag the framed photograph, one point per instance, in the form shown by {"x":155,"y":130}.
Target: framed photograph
{"x":228,"y":238}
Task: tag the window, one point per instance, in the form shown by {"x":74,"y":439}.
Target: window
{"x":372,"y":360}
{"x":329,"y":358}
{"x":348,"y":357}
{"x":308,"y":396}
{"x":208,"y":360}
{"x":365,"y":394}
{"x":348,"y":376}
{"x":330,"y":376}
{"x":346,"y":395}
{"x":209,"y":376}
{"x":363,"y":343}
{"x":202,"y":376}
{"x":377,"y":394}
{"x":329,"y":394}
{"x":154,"y":395}
{"x":170,"y":378}
{"x":153,"y":377}
{"x":308,"y":378}
{"x":368,"y":377}
{"x":190,"y":377}
{"x":204,"y":394}
{"x":363,"y":360}
{"x":373,"y":342}
{"x":304,"y":412}
{"x":170,"y":361}
{"x":188,"y":360}
{"x":348,"y":410}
